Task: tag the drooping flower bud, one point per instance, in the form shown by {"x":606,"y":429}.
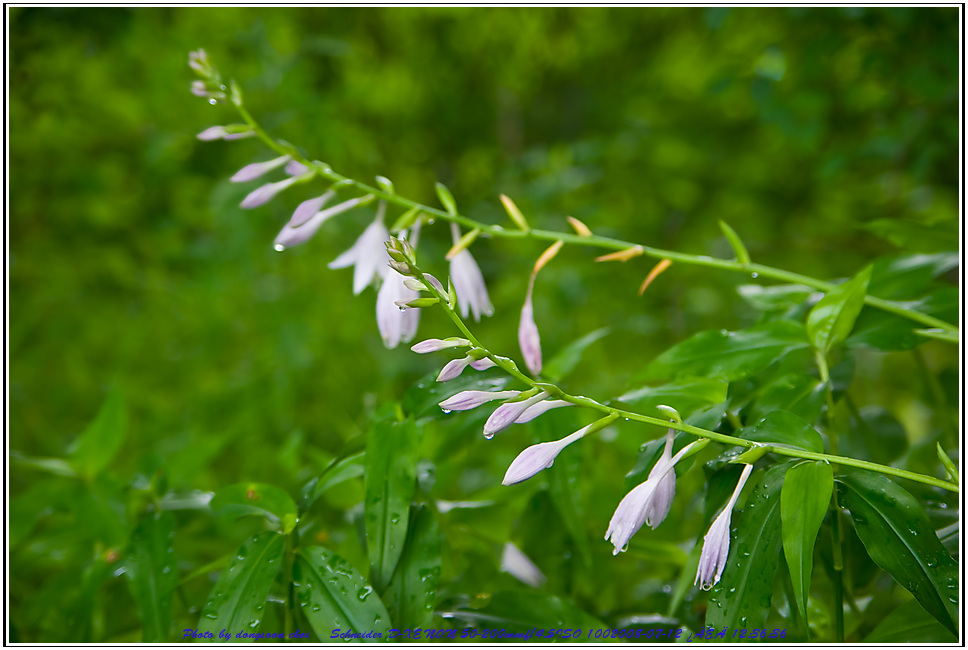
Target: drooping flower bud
{"x":436,"y":345}
{"x":528,"y":336}
{"x":715,"y":545}
{"x":538,"y":457}
{"x":541,"y":408}
{"x":505,"y":415}
{"x":292,"y":235}
{"x":255,"y":170}
{"x":265,"y":193}
{"x":470,"y":399}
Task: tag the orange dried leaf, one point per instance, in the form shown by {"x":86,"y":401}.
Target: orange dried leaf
{"x":548,"y":255}
{"x":621,"y":256}
{"x":654,"y":273}
{"x":579,"y":227}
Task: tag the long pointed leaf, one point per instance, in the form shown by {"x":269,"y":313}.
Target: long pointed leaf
{"x":335,"y":598}
{"x":237,"y":601}
{"x":898,"y":536}
{"x":152,"y":574}
{"x":803,"y":502}
{"x":413,"y":589}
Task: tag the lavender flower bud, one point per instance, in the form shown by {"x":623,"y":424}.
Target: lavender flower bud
{"x":538,"y":457}
{"x":540,"y":408}
{"x":436,"y":345}
{"x":715,"y":546}
{"x":528,"y":337}
{"x":255,"y":170}
{"x":470,"y":399}
{"x":265,"y":193}
{"x":505,"y":415}
{"x":453,"y":369}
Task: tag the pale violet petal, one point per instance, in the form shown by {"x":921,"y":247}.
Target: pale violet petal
{"x":519,"y":565}
{"x":541,"y":408}
{"x":528,"y":337}
{"x":255,"y":170}
{"x":505,"y":415}
{"x":470,"y":399}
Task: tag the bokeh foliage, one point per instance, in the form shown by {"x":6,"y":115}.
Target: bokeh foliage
{"x":826,"y":137}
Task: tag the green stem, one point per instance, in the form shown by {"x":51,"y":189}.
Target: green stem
{"x":756,"y":270}
{"x":616,"y":244}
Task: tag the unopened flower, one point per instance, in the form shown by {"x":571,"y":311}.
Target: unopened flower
{"x":455,"y":367}
{"x":396,"y":325}
{"x":528,"y":336}
{"x":469,"y":282}
{"x":519,"y":565}
{"x":198,"y":61}
{"x":505,"y":415}
{"x":265,"y":193}
{"x":539,"y":457}
{"x":482,"y":364}
{"x":436,"y":345}
{"x":308,"y":217}
{"x":369,"y":258}
{"x":470,"y":399}
{"x":256,"y":170}
{"x":296,"y":168}
{"x":540,"y":408}
{"x":649,"y":502}
{"x":715,"y":545}
{"x":221,"y":133}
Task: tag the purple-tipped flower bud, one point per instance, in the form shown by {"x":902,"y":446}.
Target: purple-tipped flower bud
{"x":296,"y":168}
{"x":528,"y":336}
{"x":453,"y":369}
{"x":436,"y":345}
{"x":200,"y":89}
{"x":505,"y":415}
{"x":265,"y":193}
{"x":519,"y":565}
{"x":482,"y":364}
{"x":292,"y":235}
{"x":538,"y":457}
{"x":255,"y":170}
{"x":307,"y":209}
{"x":198,"y":61}
{"x":470,"y":399}
{"x":715,"y":545}
{"x":222,"y":133}
{"x":540,"y":408}
{"x":649,"y":501}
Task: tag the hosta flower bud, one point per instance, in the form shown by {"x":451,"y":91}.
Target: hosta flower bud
{"x":470,"y":399}
{"x":255,"y":170}
{"x":538,"y":457}
{"x":265,"y":193}
{"x":715,"y":545}
{"x":528,"y":336}
{"x":436,"y":345}
{"x":505,"y":415}
{"x":540,"y":408}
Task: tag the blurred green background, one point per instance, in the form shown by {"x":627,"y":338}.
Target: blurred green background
{"x":825,"y":137}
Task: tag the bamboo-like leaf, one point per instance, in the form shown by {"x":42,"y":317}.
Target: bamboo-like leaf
{"x":152,"y":574}
{"x":731,"y":355}
{"x":898,"y":536}
{"x":909,"y":623}
{"x":781,"y":427}
{"x":243,"y":499}
{"x":97,"y":445}
{"x":406,"y":220}
{"x":391,"y":470}
{"x":804,"y":499}
{"x":951,"y":336}
{"x":344,"y":470}
{"x":238,"y":599}
{"x":831,"y":319}
{"x":742,"y":598}
{"x":335,"y":598}
{"x":412,"y":592}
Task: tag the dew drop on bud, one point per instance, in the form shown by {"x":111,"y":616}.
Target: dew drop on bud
{"x":279,"y":247}
{"x":212,"y":101}
{"x":754,"y":275}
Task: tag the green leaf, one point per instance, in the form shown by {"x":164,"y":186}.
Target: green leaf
{"x":804,"y":500}
{"x":742,"y":256}
{"x":421,"y":400}
{"x":950,"y":336}
{"x":949,"y":466}
{"x":56,"y":466}
{"x":152,"y":573}
{"x":908,"y":277}
{"x":521,"y":611}
{"x":338,"y":471}
{"x":565,"y":361}
{"x":909,"y":623}
{"x":782,"y":427}
{"x":780,"y":297}
{"x":686,"y":395}
{"x":875,"y":434}
{"x":731,"y":355}
{"x":446,"y":198}
{"x":243,"y":499}
{"x":913,"y":235}
{"x":412,"y":592}
{"x":799,"y":394}
{"x":742,"y":598}
{"x":335,"y":598}
{"x":97,"y":445}
{"x":391,"y":470}
{"x":238,"y":598}
{"x":831,"y":319}
{"x":898,"y":536}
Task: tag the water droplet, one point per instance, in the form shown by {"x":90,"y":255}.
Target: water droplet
{"x":212,"y":101}
{"x":446,"y":411}
{"x":754,"y":275}
{"x":279,"y":247}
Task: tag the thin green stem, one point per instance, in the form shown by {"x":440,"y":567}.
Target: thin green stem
{"x":616,"y":244}
{"x":756,"y":270}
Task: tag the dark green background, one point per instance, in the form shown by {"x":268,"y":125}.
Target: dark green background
{"x":823,"y":136}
